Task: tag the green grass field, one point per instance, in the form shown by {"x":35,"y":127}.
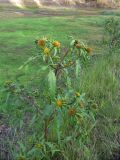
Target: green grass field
{"x":100,"y":80}
{"x":18,"y":34}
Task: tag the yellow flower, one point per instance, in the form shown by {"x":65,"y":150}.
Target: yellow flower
{"x":94,"y":105}
{"x":56,"y":44}
{"x":89,"y":50}
{"x":59,"y":103}
{"x":41,"y":42}
{"x":72,"y":111}
{"x":47,"y":51}
{"x":77,"y":94}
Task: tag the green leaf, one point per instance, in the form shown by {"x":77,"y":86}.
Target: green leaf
{"x":26,"y":68}
{"x":8,"y":97}
{"x":32,"y":120}
{"x":72,"y":42}
{"x":55,"y":51}
{"x":52,"y":147}
{"x":27,"y":62}
{"x":31,"y":152}
{"x":59,"y":121}
{"x":78,"y":68}
{"x":68,"y":82}
{"x":52,"y":83}
{"x":68,"y":79}
{"x":68,"y":139}
{"x":43,"y":68}
{"x":21,"y":123}
{"x":48,"y":110}
{"x":22,"y":146}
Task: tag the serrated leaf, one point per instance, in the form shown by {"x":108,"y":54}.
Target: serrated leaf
{"x":55,"y":51}
{"x":72,"y":42}
{"x":27,"y":62}
{"x":52,"y":83}
{"x":78,"y":68}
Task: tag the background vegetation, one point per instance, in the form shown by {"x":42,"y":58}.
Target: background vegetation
{"x":99,"y":80}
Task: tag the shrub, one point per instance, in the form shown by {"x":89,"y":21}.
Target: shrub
{"x":112,"y":34}
{"x":48,"y":123}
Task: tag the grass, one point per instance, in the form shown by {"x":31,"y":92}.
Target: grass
{"x":18,"y":36}
{"x":100,"y":80}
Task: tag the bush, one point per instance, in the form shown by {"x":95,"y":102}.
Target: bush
{"x":55,"y":119}
{"x":112,"y":34}
{"x":59,"y":114}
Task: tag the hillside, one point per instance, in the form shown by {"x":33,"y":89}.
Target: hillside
{"x":73,"y":3}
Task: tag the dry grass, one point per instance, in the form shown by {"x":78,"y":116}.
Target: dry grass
{"x":72,"y":3}
{"x":107,"y":3}
{"x":78,"y":3}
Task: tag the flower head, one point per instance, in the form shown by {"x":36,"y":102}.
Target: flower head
{"x":59,"y":103}
{"x":94,"y":105}
{"x":46,"y":51}
{"x":89,"y":50}
{"x":41,"y":42}
{"x":72,"y":112}
{"x":56,"y":44}
{"x":77,"y":94}
{"x":78,"y":45}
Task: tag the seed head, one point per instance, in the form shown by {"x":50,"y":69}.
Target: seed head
{"x":78,"y":45}
{"x":59,"y":103}
{"x":41,"y":42}
{"x":94,"y":105}
{"x":77,"y":94}
{"x":56,"y":44}
{"x":72,"y":112}
{"x":89,"y":50}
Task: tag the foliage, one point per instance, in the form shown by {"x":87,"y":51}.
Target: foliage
{"x":99,"y":80}
{"x":62,"y":115}
{"x":112,"y":34}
